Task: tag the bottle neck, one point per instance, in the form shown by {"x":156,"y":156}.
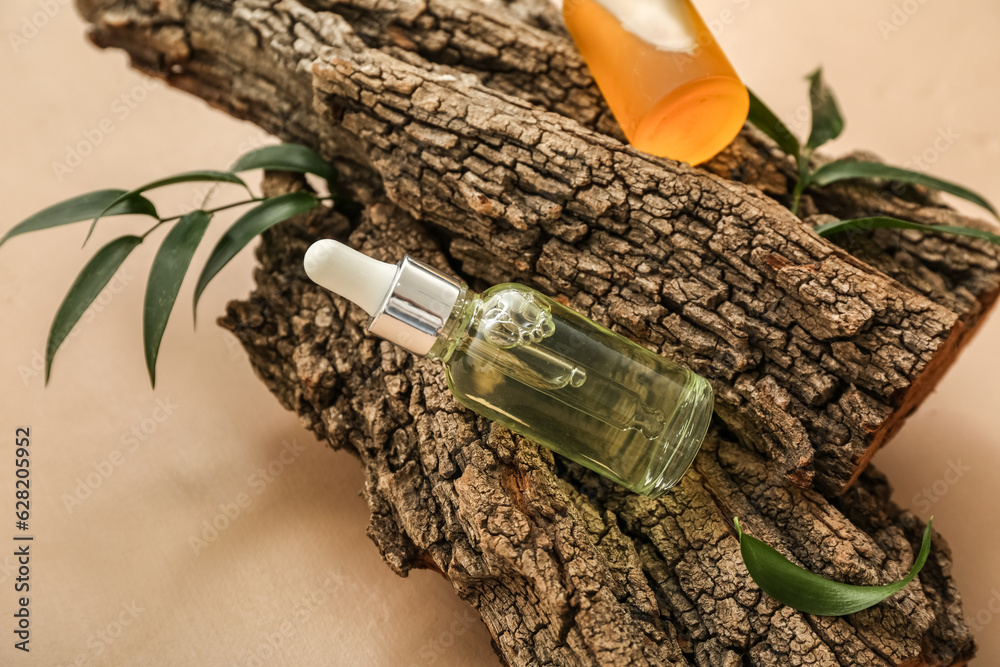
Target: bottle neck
{"x":456,"y":326}
{"x":417,"y":307}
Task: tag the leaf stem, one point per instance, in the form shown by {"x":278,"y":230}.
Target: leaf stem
{"x":212,"y":211}
{"x":796,"y":196}
{"x":252,"y":200}
{"x":802,"y":160}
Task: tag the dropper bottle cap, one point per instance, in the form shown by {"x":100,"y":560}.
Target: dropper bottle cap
{"x":409,"y":303}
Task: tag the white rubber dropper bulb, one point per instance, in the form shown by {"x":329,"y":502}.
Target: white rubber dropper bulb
{"x":349,"y":273}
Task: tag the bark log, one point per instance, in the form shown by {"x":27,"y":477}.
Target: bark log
{"x":473,"y":137}
{"x":565,"y":567}
{"x":483,"y":123}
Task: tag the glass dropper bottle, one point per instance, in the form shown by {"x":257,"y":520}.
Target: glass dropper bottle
{"x":533,"y":365}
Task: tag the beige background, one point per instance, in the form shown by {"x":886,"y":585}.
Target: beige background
{"x":293,"y":580}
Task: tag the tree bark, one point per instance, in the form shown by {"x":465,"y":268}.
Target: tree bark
{"x":487,"y":127}
{"x":565,"y":567}
{"x":473,"y":137}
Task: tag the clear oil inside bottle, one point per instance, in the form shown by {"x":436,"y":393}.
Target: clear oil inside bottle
{"x":542,"y":370}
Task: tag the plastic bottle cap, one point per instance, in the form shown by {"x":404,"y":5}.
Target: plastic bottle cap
{"x":349,"y":273}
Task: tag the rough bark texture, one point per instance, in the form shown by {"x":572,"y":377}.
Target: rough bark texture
{"x":474,"y":138}
{"x":485,"y":125}
{"x":565,"y":567}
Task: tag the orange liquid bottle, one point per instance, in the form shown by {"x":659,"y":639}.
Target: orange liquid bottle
{"x":664,"y":76}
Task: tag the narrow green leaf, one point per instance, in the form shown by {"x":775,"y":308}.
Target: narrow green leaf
{"x":83,"y":207}
{"x":186,"y":177}
{"x":287,"y":157}
{"x":865,"y":224}
{"x":165,"y":278}
{"x":92,"y":279}
{"x":827,"y":123}
{"x":252,"y":223}
{"x":800,"y":589}
{"x":846,"y":169}
{"x":767,"y":122}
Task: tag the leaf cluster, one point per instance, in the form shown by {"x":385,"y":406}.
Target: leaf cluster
{"x":827,"y":125}
{"x":177,"y":250}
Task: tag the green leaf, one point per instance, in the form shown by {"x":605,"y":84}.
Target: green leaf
{"x":846,"y":169}
{"x":865,"y":224}
{"x":287,"y":157}
{"x":767,"y":122}
{"x":83,"y":208}
{"x":165,"y":278}
{"x":92,"y":279}
{"x":827,"y":123}
{"x":800,"y":589}
{"x":252,"y":223}
{"x":186,"y":177}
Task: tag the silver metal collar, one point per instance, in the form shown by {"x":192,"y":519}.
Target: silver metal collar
{"x":417,"y":306}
